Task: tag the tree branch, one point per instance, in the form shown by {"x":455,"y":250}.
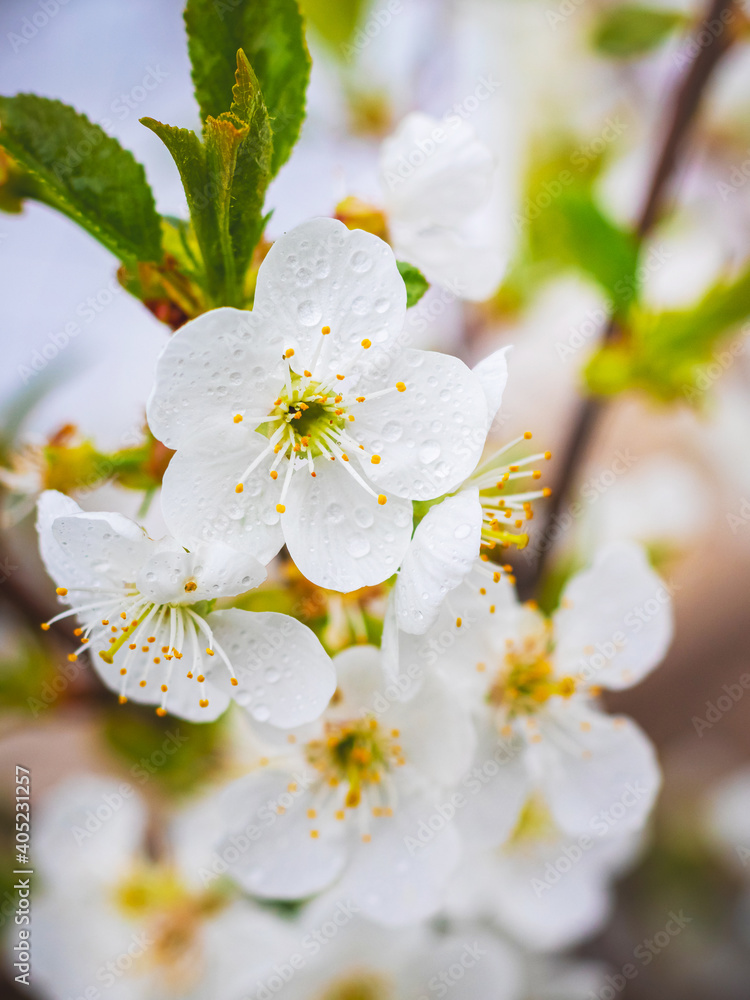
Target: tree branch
{"x":711,"y":41}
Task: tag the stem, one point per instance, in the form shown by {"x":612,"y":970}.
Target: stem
{"x":684,"y":109}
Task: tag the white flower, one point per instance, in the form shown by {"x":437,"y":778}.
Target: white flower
{"x":436,"y":177}
{"x":347,"y":958}
{"x":107,"y":917}
{"x":545,"y":889}
{"x":145,"y":612}
{"x":530,"y":683}
{"x":728,"y":819}
{"x":484,"y":513}
{"x":345,"y":797}
{"x":296,"y":422}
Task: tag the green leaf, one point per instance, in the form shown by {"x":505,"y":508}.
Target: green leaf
{"x":239,"y":147}
{"x":271,"y":34}
{"x":573,"y":232}
{"x":562,"y":228}
{"x":84,"y":173}
{"x":189,"y":153}
{"x":631,"y":30}
{"x":415,"y":281}
{"x":225,"y":180}
{"x":335,"y":21}
{"x":676,"y":354}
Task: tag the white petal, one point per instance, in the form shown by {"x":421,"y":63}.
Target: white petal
{"x":339,"y":536}
{"x":88,"y":829}
{"x":359,"y":680}
{"x":550,"y":894}
{"x":222,"y":363}
{"x":597,"y":773}
{"x":492,"y":373}
{"x":470,"y":268}
{"x":278,"y":859}
{"x":242,"y":947}
{"x":430,"y":436}
{"x":397,"y":879}
{"x":494,"y":789}
{"x":285,"y":676}
{"x":323,"y":274}
{"x":101,"y":549}
{"x":437,"y":736}
{"x":490,"y":967}
{"x":465,"y":638}
{"x":614,"y":623}
{"x":58,"y":563}
{"x":213,"y":570}
{"x":433,"y":172}
{"x":199,"y":500}
{"x":442,"y":553}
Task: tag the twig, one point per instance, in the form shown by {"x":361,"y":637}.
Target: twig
{"x":711,"y":46}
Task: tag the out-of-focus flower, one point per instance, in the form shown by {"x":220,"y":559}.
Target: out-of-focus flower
{"x":530,"y":682}
{"x":108,"y":917}
{"x":287,"y":430}
{"x":545,"y":889}
{"x":437,"y":178}
{"x":146,"y":614}
{"x":366,"y":962}
{"x":341,"y":799}
{"x":728,"y":819}
{"x":662,"y":504}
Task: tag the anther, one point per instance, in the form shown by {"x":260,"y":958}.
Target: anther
{"x":401,"y":386}
{"x":62,"y":591}
{"x":382,"y":498}
{"x":239,"y":488}
{"x":238,"y":418}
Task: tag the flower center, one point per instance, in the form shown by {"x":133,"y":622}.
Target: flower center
{"x":535,"y":825}
{"x":138,"y":625}
{"x":310,"y":421}
{"x":527,"y":680}
{"x":358,"y":753}
{"x":359,"y":986}
{"x":174,"y":917}
{"x":312,"y":417}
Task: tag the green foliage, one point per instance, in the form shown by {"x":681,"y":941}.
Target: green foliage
{"x":562,"y":228}
{"x":271,"y":34}
{"x":574,"y":233}
{"x":631,"y":30}
{"x":75,"y":167}
{"x":666,"y":354}
{"x":179,"y":756}
{"x":334,"y":20}
{"x":225,"y":179}
{"x":415,"y":281}
{"x":26,"y":676}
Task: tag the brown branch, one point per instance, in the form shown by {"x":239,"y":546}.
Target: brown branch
{"x":712,"y":39}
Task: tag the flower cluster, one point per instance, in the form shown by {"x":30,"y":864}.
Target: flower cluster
{"x":443,"y":768}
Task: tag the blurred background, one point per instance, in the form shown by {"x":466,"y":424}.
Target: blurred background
{"x":575,"y":98}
